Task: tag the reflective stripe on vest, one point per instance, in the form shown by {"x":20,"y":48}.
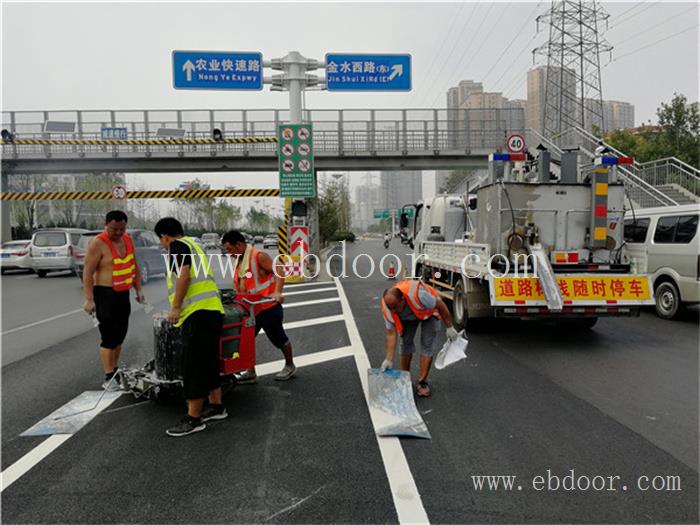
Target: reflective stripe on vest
{"x":409,"y":289}
{"x":123,"y":268}
{"x":253,"y":284}
{"x":202,"y":292}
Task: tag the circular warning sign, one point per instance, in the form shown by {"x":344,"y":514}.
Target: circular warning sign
{"x":288,"y":165}
{"x":303,"y":133}
{"x":304,"y":165}
{"x":515,"y":143}
{"x":119,"y":192}
{"x":287,"y":133}
{"x":287,"y":150}
{"x":304,"y":149}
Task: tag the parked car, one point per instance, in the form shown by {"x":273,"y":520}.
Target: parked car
{"x":270,"y":241}
{"x":52,"y":249}
{"x":258,"y":239}
{"x":197,"y":240}
{"x":14,"y":255}
{"x":669,"y":238}
{"x":149,"y":255}
{"x":211,"y":241}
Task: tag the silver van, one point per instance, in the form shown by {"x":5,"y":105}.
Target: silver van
{"x":52,"y":249}
{"x":665,"y":244}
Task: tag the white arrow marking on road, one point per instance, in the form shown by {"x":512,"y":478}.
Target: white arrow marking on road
{"x":396,"y":70}
{"x":188,"y":67}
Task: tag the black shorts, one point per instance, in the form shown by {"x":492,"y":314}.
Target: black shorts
{"x":112,"y":310}
{"x":271,"y":321}
{"x":201,"y":332}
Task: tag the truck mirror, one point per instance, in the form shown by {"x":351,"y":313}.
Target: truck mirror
{"x":403,"y":220}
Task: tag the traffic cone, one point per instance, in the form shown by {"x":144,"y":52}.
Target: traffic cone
{"x":392,"y":271}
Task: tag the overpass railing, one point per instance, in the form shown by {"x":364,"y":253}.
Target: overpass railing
{"x":338,"y":131}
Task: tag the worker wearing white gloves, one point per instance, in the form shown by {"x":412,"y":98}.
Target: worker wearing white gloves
{"x":425,"y":308}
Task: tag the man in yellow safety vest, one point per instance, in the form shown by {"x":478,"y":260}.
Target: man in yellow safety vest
{"x":195,"y":305}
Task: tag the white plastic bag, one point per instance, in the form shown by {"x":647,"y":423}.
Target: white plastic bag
{"x":452,"y":351}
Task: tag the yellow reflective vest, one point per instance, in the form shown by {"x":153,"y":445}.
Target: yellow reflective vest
{"x":202,"y":293}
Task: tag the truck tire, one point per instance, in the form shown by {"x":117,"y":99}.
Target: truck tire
{"x":459,"y":306}
{"x":668,"y":300}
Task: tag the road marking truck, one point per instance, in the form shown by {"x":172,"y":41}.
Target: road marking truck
{"x":523,"y":245}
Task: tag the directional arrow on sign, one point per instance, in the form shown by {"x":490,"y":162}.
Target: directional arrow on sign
{"x":299,"y":245}
{"x":188,"y":67}
{"x":396,"y":70}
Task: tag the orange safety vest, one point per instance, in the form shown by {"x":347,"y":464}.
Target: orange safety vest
{"x":409,"y":289}
{"x":255,"y":284}
{"x":123,"y":268}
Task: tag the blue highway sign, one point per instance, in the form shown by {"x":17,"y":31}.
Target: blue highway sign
{"x":217,"y":70}
{"x":357,"y":72}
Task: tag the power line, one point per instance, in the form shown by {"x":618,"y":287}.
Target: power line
{"x":635,"y":6}
{"x":527,"y":21}
{"x":454,"y":46}
{"x":652,"y":44}
{"x":637,"y":33}
{"x":444,"y":39}
{"x":652,"y":4}
{"x":464,"y":52}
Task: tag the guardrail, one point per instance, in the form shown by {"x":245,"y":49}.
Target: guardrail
{"x":337,"y":131}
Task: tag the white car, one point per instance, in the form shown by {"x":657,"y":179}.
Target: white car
{"x":14,"y":255}
{"x":270,"y":242}
{"x":666,"y":242}
{"x":52,"y":249}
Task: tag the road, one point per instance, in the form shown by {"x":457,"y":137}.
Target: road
{"x":618,"y":400}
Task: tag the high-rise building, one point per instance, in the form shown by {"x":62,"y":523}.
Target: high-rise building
{"x":537,"y":90}
{"x":398,"y":188}
{"x":367,"y":199}
{"x":616,"y":115}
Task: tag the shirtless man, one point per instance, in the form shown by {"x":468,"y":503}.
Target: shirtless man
{"x":110,"y":272}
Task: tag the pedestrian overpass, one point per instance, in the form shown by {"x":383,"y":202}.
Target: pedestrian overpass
{"x":182,"y":140}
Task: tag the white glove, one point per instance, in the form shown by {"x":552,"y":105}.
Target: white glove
{"x":452,"y":334}
{"x":386,"y":364}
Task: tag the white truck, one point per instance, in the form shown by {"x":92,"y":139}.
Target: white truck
{"x":530,"y":248}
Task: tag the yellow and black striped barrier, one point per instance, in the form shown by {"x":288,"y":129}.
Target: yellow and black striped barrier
{"x":282,"y":240}
{"x":134,"y":142}
{"x":146,"y":194}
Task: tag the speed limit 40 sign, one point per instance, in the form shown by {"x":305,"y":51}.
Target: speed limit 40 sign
{"x":515,"y":143}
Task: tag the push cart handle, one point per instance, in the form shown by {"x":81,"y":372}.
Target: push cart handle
{"x":261,"y":301}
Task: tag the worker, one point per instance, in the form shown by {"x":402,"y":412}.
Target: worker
{"x":195,"y":305}
{"x":425,"y":308}
{"x":254,"y":274}
{"x":110,"y":272}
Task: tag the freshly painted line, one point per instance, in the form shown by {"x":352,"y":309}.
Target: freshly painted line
{"x":299,"y":285}
{"x":31,"y":458}
{"x":308,"y":303}
{"x":407,"y":500}
{"x":37,"y":323}
{"x":273,"y":367}
{"x":314,"y":321}
{"x":310,"y":291}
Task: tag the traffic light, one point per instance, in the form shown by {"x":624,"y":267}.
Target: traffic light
{"x":298,"y":208}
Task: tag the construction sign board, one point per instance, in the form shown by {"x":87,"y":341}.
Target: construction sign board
{"x":576,"y":289}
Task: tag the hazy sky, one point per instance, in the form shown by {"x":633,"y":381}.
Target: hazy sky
{"x":118,"y":55}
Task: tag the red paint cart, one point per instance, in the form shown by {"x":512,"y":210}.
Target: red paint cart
{"x":161,"y":377}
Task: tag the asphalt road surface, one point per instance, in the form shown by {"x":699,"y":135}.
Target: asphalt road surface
{"x":619,"y":402}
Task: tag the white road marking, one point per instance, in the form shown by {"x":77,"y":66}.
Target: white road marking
{"x":309,"y":303}
{"x":37,"y":323}
{"x":299,"y":285}
{"x":31,"y":459}
{"x":314,"y":321}
{"x":273,"y":367}
{"x":310,"y":291}
{"x":407,"y":500}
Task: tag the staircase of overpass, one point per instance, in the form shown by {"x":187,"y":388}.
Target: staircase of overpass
{"x":664,"y":182}
{"x":343,"y":139}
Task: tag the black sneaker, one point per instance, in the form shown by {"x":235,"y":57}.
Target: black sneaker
{"x":214,"y":412}
{"x":188,"y":425}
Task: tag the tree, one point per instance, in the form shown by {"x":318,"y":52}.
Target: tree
{"x":226,"y":216}
{"x":680,"y":124}
{"x":455,"y":180}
